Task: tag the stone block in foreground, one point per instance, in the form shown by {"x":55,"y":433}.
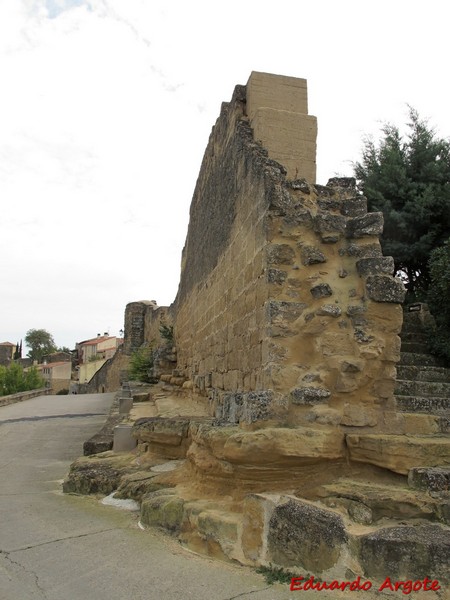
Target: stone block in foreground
{"x":301,"y":534}
{"x":407,"y":552}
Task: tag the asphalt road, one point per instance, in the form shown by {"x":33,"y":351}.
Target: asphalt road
{"x":62,"y":547}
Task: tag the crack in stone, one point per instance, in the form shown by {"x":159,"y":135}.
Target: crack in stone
{"x":69,"y":537}
{"x":28,"y":571}
{"x":248,"y":593}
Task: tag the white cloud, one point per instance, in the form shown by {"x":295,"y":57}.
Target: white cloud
{"x":106,"y":109}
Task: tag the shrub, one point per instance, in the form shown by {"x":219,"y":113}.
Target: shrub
{"x":141,"y":362}
{"x":166,"y":332}
{"x":14,"y":379}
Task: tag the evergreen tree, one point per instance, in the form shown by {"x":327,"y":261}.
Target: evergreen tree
{"x":439,"y":299}
{"x":409,"y":181}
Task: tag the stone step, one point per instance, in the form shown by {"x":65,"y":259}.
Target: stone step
{"x":417,"y":347}
{"x":420,"y":423}
{"x":422,"y":388}
{"x":399,"y":453}
{"x":419,"y":359}
{"x":435,"y":405}
{"x":424,"y":373}
{"x":414,"y":336}
{"x":366,"y":502}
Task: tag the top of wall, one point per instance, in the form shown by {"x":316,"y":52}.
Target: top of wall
{"x":277,"y":107}
{"x":276,"y":91}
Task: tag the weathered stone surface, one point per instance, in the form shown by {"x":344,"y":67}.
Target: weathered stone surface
{"x":354,"y":207}
{"x":221,"y":527}
{"x":391,"y":501}
{"x":102,"y":441}
{"x":164,"y":509}
{"x":284,"y":311}
{"x":274,"y":445}
{"x":280,"y":254}
{"x":342,"y":183}
{"x":360,"y":513}
{"x":141,"y":396}
{"x":167,"y":431}
{"x":97,"y":474}
{"x":247,"y":407}
{"x":352,"y":366}
{"x":321,"y":291}
{"x":329,"y":310}
{"x":399,"y":453}
{"x":137,"y":485}
{"x":325,"y":222}
{"x":407,"y":553}
{"x":375,"y":266}
{"x":311,"y":255}
{"x":253,"y":525}
{"x":339,"y":344}
{"x":300,"y":184}
{"x":430,"y":478}
{"x":370,"y":224}
{"x":382,"y":288}
{"x":355,"y":309}
{"x":310,"y":395}
{"x":358,"y":416}
{"x":363,"y":250}
{"x":325,"y":415}
{"x":306,"y":536}
{"x":276,"y":276}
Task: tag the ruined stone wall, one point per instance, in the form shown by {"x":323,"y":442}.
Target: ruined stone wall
{"x":143,"y":321}
{"x":286,"y":307}
{"x":220,"y":308}
{"x":333,"y":313}
{"x":110,"y":376}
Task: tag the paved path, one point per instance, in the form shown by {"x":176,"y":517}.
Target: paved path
{"x":62,"y":547}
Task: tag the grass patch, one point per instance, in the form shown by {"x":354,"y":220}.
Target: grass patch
{"x":275,"y":574}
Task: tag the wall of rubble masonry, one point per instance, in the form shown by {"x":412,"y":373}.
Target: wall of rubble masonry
{"x":286,"y":307}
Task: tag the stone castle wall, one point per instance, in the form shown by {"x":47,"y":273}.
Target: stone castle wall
{"x":220,"y":308}
{"x":284,"y":291}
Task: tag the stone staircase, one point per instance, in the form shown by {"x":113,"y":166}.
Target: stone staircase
{"x":423,"y":382}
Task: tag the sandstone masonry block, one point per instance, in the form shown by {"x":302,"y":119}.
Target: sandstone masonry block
{"x":370,"y":224}
{"x":382,"y":288}
{"x":306,"y":536}
{"x":407,"y":553}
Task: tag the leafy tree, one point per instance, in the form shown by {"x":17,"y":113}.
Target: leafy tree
{"x":409,"y":181}
{"x":14,"y":379}
{"x":439,"y":299}
{"x":41,"y":342}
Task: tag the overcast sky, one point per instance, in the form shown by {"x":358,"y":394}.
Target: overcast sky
{"x":105,"y":111}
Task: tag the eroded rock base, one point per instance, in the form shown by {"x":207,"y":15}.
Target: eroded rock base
{"x":287,"y":497}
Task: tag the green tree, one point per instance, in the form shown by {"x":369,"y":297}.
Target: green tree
{"x":41,"y":342}
{"x":438,"y":299}
{"x":14,"y":379}
{"x":409,"y":181}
